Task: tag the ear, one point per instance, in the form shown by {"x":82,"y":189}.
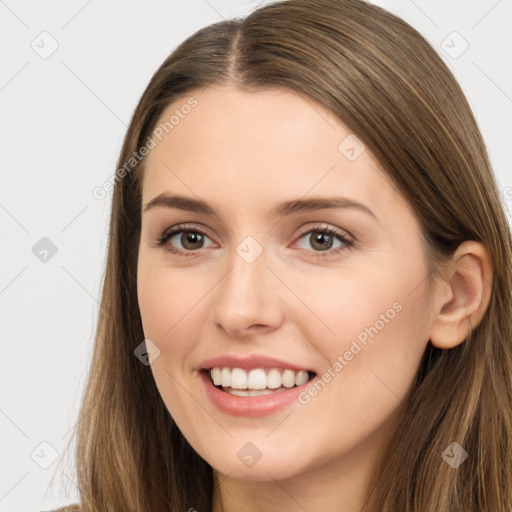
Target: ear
{"x":462,"y":296}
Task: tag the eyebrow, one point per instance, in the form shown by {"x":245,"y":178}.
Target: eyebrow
{"x":282,"y":210}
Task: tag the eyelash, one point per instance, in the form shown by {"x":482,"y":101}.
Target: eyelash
{"x":169,"y":233}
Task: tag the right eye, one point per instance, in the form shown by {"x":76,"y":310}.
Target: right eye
{"x":190,"y":239}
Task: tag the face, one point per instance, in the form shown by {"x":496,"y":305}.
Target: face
{"x":288,"y":262}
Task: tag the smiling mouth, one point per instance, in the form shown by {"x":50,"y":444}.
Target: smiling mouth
{"x":257,"y":381}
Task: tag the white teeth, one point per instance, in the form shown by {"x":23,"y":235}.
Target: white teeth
{"x":225,"y":377}
{"x":288,"y":378}
{"x":274,"y":379}
{"x":257,"y":379}
{"x":249,"y":392}
{"x":238,"y":378}
{"x":217,"y":376}
{"x":301,"y":377}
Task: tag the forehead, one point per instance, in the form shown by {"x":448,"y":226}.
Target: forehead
{"x":255,"y":147}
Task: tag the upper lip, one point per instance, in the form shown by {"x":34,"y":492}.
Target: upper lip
{"x":249,"y":362}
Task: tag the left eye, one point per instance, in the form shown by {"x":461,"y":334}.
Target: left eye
{"x":322,"y":240}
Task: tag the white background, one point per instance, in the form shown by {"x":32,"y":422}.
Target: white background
{"x":62,"y":122}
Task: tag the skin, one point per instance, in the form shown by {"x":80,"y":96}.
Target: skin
{"x":243,"y":153}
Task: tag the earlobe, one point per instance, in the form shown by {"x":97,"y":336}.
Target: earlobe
{"x":462,"y":298}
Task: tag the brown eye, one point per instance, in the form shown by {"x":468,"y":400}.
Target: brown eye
{"x":182,"y":240}
{"x":321,"y":241}
{"x":325,"y":241}
{"x":191,"y":240}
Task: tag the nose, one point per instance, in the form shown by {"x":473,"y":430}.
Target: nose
{"x":247,"y":299}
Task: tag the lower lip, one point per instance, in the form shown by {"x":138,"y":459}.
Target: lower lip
{"x":250,"y":405}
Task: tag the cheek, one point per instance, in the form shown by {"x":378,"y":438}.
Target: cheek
{"x":166,"y":297}
{"x":373,"y":331}
{"x":168,"y":302}
{"x":348,"y":304}
{"x":173,"y":312}
{"x":371,"y":365}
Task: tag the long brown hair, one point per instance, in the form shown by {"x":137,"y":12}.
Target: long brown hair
{"x":389,"y":86}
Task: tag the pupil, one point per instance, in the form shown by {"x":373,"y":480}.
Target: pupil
{"x":322,"y":238}
{"x":192,"y":238}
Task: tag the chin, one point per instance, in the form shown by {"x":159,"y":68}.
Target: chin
{"x":274,"y":466}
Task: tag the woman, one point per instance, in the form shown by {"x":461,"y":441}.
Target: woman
{"x":307,"y":299}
